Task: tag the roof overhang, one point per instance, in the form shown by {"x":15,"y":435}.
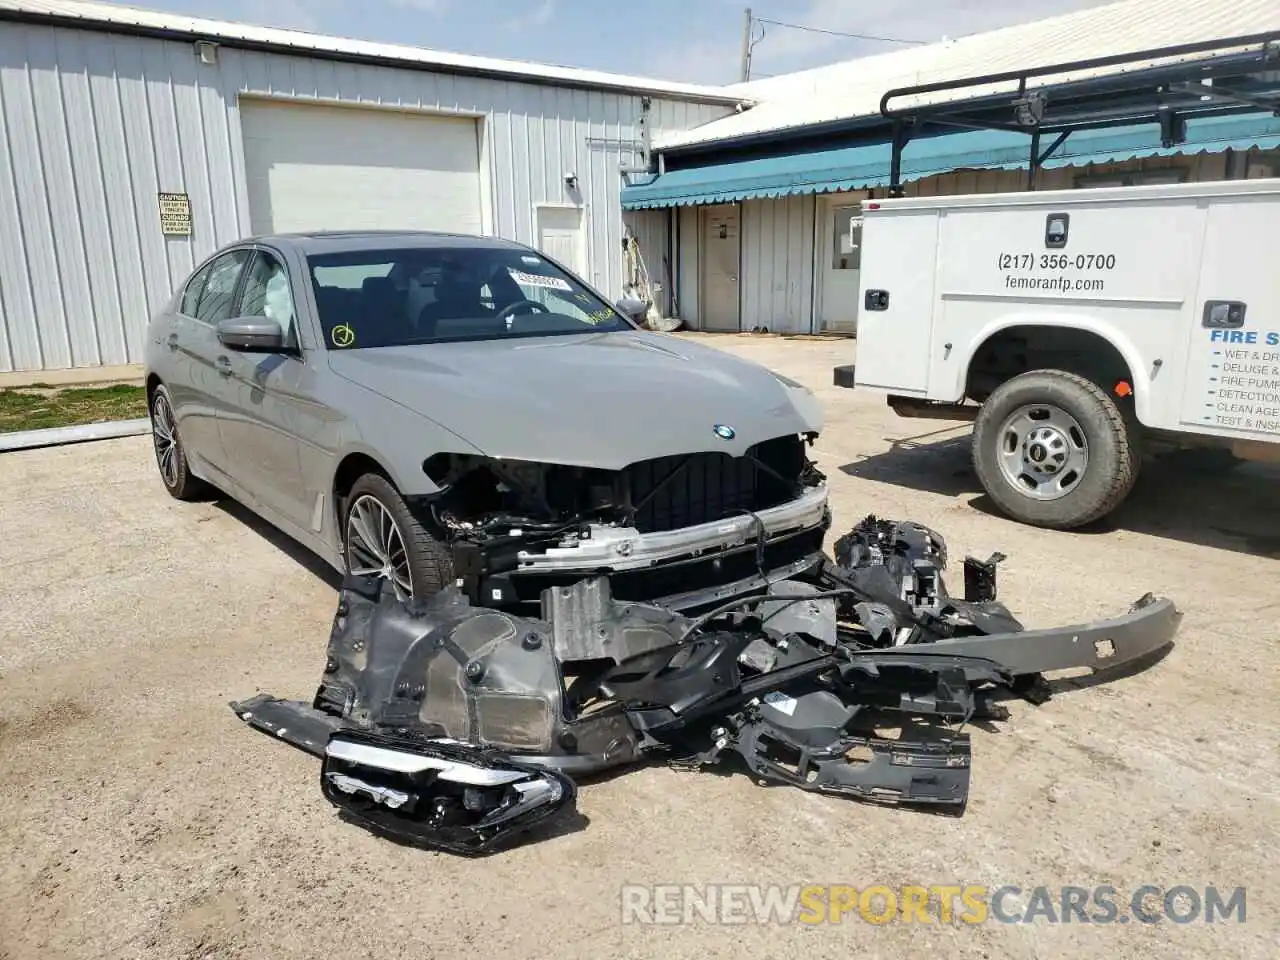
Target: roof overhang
{"x":130,"y":21}
{"x":1234,"y":74}
{"x":868,"y":165}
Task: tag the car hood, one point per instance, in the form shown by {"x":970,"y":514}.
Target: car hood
{"x":597,"y":400}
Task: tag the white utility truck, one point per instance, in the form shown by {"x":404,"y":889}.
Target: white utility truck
{"x":1079,"y":329}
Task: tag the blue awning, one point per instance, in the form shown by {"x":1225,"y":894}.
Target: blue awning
{"x":866,"y":166}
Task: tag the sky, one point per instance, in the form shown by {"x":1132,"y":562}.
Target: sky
{"x":698,"y":41}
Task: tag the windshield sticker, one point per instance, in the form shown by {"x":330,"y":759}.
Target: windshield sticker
{"x":600,"y":316}
{"x":538,"y":280}
{"x":342,"y":336}
{"x":530,"y":259}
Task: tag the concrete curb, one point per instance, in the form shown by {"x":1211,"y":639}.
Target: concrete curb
{"x":75,"y":377}
{"x":80,"y":433}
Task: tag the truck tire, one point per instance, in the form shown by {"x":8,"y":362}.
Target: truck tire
{"x":381,"y":537}
{"x":1054,"y":450}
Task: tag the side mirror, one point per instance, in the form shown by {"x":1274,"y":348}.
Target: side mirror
{"x":257,"y":334}
{"x":633,"y":308}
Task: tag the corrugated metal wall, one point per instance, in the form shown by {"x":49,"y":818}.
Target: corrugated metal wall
{"x":776,"y":275}
{"x":1200,"y":166}
{"x":649,"y":227}
{"x":776,"y":269}
{"x":93,"y":125}
{"x":689,"y":258}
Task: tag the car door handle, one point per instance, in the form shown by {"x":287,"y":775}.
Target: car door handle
{"x":172,"y":341}
{"x":224,"y":365}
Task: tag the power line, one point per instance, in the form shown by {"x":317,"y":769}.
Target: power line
{"x":837,"y":33}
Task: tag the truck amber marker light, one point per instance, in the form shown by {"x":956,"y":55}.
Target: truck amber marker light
{"x":1124,"y":389}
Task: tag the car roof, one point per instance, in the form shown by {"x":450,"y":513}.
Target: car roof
{"x":341,"y":241}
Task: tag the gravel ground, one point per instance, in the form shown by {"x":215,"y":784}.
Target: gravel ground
{"x":142,"y":819}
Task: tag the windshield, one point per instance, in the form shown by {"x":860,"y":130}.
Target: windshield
{"x":392,"y":298}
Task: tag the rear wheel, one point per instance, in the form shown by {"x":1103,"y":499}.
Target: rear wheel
{"x":1053,"y":449}
{"x":171,"y":457}
{"x":382,"y":538}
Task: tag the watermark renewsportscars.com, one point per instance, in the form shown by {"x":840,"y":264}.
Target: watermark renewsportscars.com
{"x":952,"y":904}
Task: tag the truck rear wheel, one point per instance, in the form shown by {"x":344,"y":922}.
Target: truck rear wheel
{"x":1053,"y":449}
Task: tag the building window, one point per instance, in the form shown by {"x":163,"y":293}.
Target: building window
{"x":1132,"y":178}
{"x":1258,"y":170}
{"x":846,"y":249}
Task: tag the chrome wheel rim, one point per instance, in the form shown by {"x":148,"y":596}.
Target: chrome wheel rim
{"x":375,"y":547}
{"x":164,"y":434}
{"x":1042,"y":451}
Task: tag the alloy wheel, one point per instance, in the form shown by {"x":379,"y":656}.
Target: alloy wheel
{"x":164,"y":434}
{"x":375,"y":546}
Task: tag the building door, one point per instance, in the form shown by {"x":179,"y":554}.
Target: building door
{"x":560,"y":236}
{"x":720,"y":262}
{"x":319,"y":167}
{"x":840,"y":236}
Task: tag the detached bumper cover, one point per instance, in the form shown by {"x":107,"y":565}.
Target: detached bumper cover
{"x":1148,"y":627}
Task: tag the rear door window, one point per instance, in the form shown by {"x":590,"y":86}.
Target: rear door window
{"x":218,"y":294}
{"x":191,"y":296}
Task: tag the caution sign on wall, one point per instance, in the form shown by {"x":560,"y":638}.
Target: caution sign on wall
{"x":175,"y":214}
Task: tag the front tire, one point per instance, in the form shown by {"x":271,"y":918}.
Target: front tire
{"x":171,"y":456}
{"x":382,"y":538}
{"x":1054,"y":450}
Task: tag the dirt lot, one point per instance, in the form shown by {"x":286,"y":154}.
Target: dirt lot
{"x":141,"y":818}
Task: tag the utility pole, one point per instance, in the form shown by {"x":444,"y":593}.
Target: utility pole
{"x":746,"y":45}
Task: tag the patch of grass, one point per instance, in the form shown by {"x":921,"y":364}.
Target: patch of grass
{"x":38,"y":407}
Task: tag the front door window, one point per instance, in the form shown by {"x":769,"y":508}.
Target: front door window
{"x":266,"y":294}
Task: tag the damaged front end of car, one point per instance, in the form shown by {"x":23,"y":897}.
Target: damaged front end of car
{"x":460,"y":727}
{"x":682,"y":530}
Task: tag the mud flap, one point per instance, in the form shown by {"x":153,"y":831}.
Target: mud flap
{"x":438,"y":795}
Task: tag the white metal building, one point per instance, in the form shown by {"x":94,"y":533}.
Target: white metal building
{"x":765,"y":202}
{"x":133,"y":143}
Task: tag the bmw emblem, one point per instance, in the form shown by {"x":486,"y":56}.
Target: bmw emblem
{"x":724,"y":431}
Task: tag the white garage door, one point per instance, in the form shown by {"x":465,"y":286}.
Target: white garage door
{"x":312,"y":167}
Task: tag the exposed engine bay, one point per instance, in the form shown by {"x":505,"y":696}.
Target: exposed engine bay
{"x":461,"y":728}
{"x":684,"y":528}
